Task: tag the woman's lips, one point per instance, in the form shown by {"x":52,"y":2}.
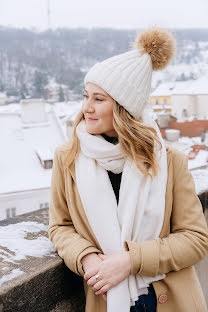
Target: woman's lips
{"x":91,"y":119}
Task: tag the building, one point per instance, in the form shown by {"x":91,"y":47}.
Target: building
{"x":4,"y":99}
{"x":183,"y":99}
{"x":28,"y":141}
{"x":67,"y":112}
{"x":160,"y":98}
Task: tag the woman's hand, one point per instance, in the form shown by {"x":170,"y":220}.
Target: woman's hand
{"x":112,"y":270}
{"x":92,"y":261}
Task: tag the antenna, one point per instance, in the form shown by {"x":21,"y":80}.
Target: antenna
{"x":49,"y":14}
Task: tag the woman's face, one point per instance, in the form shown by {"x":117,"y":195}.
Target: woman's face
{"x":98,"y":105}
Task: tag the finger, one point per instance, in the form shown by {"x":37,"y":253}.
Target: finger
{"x":104,"y":297}
{"x":102,"y":257}
{"x":92,"y":280}
{"x":97,"y":286}
{"x":104,"y":289}
{"x":91,"y":272}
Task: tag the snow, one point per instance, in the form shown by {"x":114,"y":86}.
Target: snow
{"x":191,"y":87}
{"x":13,"y":237}
{"x":3,"y":95}
{"x":199,"y":161}
{"x":53,"y":84}
{"x":201,"y":180}
{"x":183,"y":144}
{"x":14,"y":273}
{"x":194,"y":165}
{"x":157,"y":106}
{"x":190,"y":141}
{"x":67,"y":109}
{"x":45,"y":153}
{"x":164,"y":89}
{"x":19,"y":165}
{"x":172,"y":130}
{"x":10,"y":108}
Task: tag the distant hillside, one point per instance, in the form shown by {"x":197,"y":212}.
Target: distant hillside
{"x":29,"y":59}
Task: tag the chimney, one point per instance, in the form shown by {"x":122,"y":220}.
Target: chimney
{"x":163,"y":119}
{"x":33,"y":111}
{"x":172,"y":134}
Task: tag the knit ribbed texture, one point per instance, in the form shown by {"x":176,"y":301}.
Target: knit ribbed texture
{"x":126,"y":78}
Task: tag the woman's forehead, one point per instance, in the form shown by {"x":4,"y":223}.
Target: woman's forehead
{"x":95,"y":88}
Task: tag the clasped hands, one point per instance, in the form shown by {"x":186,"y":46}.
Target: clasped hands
{"x":111,"y":268}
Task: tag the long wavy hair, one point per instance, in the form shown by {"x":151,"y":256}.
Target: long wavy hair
{"x":136,"y":139}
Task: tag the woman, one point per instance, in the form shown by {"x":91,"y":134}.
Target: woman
{"x":124,"y":213}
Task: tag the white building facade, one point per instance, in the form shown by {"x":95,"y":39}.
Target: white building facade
{"x":187,"y":98}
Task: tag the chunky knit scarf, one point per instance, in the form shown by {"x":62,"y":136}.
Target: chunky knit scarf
{"x":139,"y":214}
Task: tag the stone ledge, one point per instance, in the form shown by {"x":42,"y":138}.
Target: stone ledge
{"x":38,"y":282}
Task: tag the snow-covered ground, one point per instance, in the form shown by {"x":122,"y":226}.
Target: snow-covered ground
{"x":19,"y":166}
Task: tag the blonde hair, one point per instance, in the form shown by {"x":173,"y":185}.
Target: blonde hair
{"x":136,"y":139}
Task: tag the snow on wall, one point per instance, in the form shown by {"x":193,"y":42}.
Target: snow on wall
{"x":14,"y":238}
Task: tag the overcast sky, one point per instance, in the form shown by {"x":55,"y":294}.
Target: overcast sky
{"x":105,"y":13}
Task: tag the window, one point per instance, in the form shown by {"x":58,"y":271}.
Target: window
{"x":185,"y":113}
{"x":48,"y":164}
{"x":7,"y":213}
{"x":13,"y":212}
{"x":157,"y":102}
{"x":165,"y":101}
{"x":10,"y":212}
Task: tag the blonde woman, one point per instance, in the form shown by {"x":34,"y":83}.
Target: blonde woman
{"x":124,"y":213}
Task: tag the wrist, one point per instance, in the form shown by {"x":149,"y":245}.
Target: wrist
{"x":128,"y":260}
{"x":88,"y":257}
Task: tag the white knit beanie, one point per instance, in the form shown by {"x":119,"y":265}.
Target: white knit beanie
{"x":127,"y":77}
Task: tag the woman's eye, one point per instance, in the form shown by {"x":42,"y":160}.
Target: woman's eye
{"x":86,"y":96}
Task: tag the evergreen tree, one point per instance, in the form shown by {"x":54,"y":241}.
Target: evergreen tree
{"x":40,"y":81}
{"x":61,"y":95}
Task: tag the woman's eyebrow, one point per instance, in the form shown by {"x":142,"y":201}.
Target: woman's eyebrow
{"x":97,"y":93}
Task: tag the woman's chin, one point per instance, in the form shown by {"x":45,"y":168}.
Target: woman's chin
{"x":92,"y":130}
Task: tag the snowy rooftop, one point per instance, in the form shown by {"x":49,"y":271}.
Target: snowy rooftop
{"x":19,"y":165}
{"x":3,"y":95}
{"x":70,"y":108}
{"x":191,"y":87}
{"x":197,"y":166}
{"x":157,"y":106}
{"x":201,"y":180}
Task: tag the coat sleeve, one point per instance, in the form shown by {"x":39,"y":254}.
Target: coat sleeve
{"x":71,"y":246}
{"x":187,"y":242}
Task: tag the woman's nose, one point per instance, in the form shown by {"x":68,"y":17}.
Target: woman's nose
{"x":88,"y":106}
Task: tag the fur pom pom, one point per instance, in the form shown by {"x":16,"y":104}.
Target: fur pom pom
{"x":159,"y":43}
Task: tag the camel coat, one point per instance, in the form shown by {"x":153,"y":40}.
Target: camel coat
{"x":183,"y":240}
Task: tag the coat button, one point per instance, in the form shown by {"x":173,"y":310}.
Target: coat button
{"x":162,"y":298}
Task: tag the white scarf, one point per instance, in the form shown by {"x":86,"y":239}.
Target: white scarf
{"x":139,"y":214}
